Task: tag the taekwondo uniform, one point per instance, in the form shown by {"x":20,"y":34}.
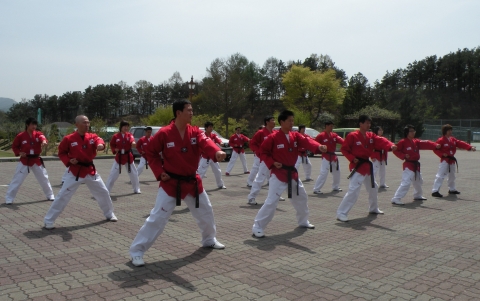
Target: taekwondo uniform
{"x":236,"y":142}
{"x":180,"y":163}
{"x":356,"y":146}
{"x":141,"y":146}
{"x":411,"y":167}
{"x":447,"y":164}
{"x":32,"y":147}
{"x":379,"y":166}
{"x":205,"y":162}
{"x":262,"y":172}
{"x":282,"y":148}
{"x":303,"y":159}
{"x":329,"y":161}
{"x":84,"y":149}
{"x":124,"y":157}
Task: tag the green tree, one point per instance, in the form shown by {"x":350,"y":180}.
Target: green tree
{"x":160,"y":117}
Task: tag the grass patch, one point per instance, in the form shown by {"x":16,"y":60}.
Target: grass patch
{"x":4,"y":154}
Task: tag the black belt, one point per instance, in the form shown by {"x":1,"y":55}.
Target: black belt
{"x":289,"y":170}
{"x":304,"y":154}
{"x":86,"y":164}
{"x":454,"y":159}
{"x":417,"y":166}
{"x":146,"y":163}
{"x":240,"y":147}
{"x":179,"y":179}
{"x":360,"y":162}
{"x":120,"y":161}
{"x":332,"y":154}
{"x":34,"y":156}
{"x":382,"y":152}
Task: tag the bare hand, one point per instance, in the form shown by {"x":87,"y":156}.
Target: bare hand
{"x":277,"y":165}
{"x":73,"y":161}
{"x":220,"y":156}
{"x":116,"y":150}
{"x":44,"y":143}
{"x":164,"y":177}
{"x":438,"y":146}
{"x":23,"y":154}
{"x":100,"y":147}
{"x":374,"y":160}
{"x":394,"y":147}
{"x":134,"y":143}
{"x":355,"y":160}
{"x":407,"y":156}
{"x":473,"y":148}
{"x":323,"y":148}
{"x":445,"y":155}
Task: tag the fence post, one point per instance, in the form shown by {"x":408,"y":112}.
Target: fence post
{"x":469,"y":136}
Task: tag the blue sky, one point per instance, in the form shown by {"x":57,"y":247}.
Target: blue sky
{"x":52,"y":47}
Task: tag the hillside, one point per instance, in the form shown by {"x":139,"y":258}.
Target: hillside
{"x":6,"y":103}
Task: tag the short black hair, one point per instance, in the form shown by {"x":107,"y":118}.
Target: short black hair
{"x":29,"y":121}
{"x":122,"y":124}
{"x":267,"y":119}
{"x":328,"y":122}
{"x":179,"y":105}
{"x":363,"y":118}
{"x":302,"y":126}
{"x":148,"y":128}
{"x":207,"y":124}
{"x":238,"y":127}
{"x":284,"y":115}
{"x":376,"y":129}
{"x":445,"y":128}
{"x":406,"y":129}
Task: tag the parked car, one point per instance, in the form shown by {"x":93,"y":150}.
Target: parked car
{"x":343,"y":132}
{"x":138,"y":132}
{"x":225,"y":146}
{"x":309,"y":131}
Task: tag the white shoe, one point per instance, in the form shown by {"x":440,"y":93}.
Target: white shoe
{"x":342,"y":218}
{"x":138,"y":261}
{"x":258,"y":233}
{"x":376,"y":211}
{"x":308,"y":226}
{"x":252,"y":201}
{"x":317,"y":192}
{"x":216,"y":245}
{"x":113,"y":218}
{"x":222,"y":187}
{"x":8,"y":203}
{"x":337,"y":189}
{"x":398,"y":203}
{"x":384,"y":186}
{"x":49,"y":226}
{"x":281,"y":199}
{"x":137,"y":192}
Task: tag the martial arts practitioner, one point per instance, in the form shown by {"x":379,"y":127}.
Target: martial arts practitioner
{"x":408,"y":149}
{"x":237,"y":141}
{"x":449,"y":145}
{"x":303,"y":157}
{"x":181,"y":145}
{"x":28,"y":145}
{"x":262,"y":172}
{"x":379,"y":159}
{"x":357,"y":148}
{"x":77,"y":152}
{"x":121,"y":145}
{"x":329,"y":159}
{"x":255,"y":142}
{"x":141,"y":146}
{"x":205,"y":160}
{"x":280,"y":153}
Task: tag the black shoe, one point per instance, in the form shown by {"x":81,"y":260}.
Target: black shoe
{"x":453,"y":192}
{"x":437,"y":194}
{"x":420,"y":199}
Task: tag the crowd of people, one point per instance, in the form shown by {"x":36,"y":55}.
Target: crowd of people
{"x":179,"y":156}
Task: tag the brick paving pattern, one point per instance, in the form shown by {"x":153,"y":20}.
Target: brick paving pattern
{"x":421,"y":251}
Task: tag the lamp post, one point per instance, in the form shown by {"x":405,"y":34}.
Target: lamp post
{"x":191,"y":86}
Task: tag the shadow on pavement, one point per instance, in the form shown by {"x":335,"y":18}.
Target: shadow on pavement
{"x":362,"y":223}
{"x":269,"y":242}
{"x":16,"y":206}
{"x":416,"y":205}
{"x":160,"y":270}
{"x":63,"y":232}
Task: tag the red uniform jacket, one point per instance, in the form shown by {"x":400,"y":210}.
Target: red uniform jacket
{"x":258,"y":139}
{"x":180,"y":156}
{"x":302,"y":150}
{"x":449,"y":147}
{"x":357,"y":146}
{"x":412,"y":147}
{"x":23,"y":143}
{"x":125,"y":143}
{"x":84,"y":150}
{"x":331,"y":142}
{"x":142,"y":144}
{"x":215,"y":139}
{"x":276,"y":148}
{"x":237,"y":142}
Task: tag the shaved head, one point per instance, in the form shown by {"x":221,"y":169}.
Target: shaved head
{"x":82,"y":123}
{"x":80,"y":118}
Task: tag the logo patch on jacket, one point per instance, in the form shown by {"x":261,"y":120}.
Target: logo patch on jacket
{"x":294,"y":143}
{"x":193,"y":140}
{"x":280,"y":146}
{"x":92,"y":141}
{"x":170,"y":144}
{"x":359,"y":143}
{"x":74,"y":144}
{"x":24,"y":141}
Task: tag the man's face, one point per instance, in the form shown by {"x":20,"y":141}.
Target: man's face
{"x":288,"y":123}
{"x":449,"y":133}
{"x":366,"y":125}
{"x":32,"y":127}
{"x":380,"y":132}
{"x":83,"y":124}
{"x":302,"y":131}
{"x":187,"y":113}
{"x":209,"y":129}
{"x":329,"y":127}
{"x":411,"y":133}
{"x":125,"y":128}
{"x":271,"y":123}
{"x":238,"y":130}
{"x":148,"y":133}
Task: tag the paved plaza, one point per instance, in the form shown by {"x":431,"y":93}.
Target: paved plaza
{"x":421,"y":251}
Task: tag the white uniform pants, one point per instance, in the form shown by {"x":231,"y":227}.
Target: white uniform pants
{"x":217,"y":172}
{"x":253,"y":171}
{"x":19,"y":176}
{"x":164,"y":206}
{"x":114,"y":176}
{"x":65,"y":174}
{"x":275,"y":190}
{"x":262,"y":174}
{"x":351,"y":196}
{"x":141,"y":165}
{"x":307,"y":166}
{"x":442,"y":173}
{"x":379,"y":171}
{"x":324,"y":170}
{"x":97,"y":189}
{"x":233,"y":159}
{"x":408,"y":177}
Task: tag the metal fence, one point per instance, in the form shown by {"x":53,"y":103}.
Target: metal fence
{"x":461,"y":129}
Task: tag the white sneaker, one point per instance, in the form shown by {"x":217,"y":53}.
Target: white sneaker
{"x":8,"y":203}
{"x":252,"y":201}
{"x":137,"y":192}
{"x":317,"y":192}
{"x":308,"y":226}
{"x":113,"y":218}
{"x":281,"y":199}
{"x":138,"y":261}
{"x":49,"y":226}
{"x":222,"y":187}
{"x":258,"y":233}
{"x":337,"y":189}
{"x":342,"y":218}
{"x":216,"y":245}
{"x":398,"y":203}
{"x":376,"y":211}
